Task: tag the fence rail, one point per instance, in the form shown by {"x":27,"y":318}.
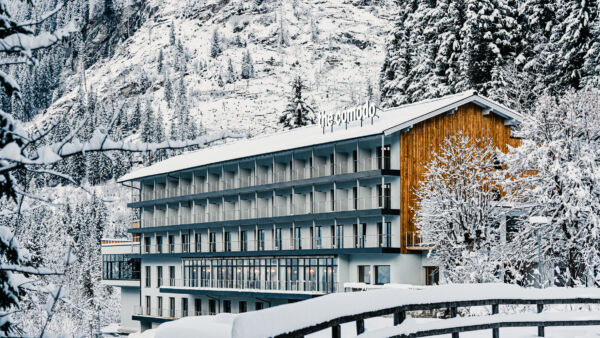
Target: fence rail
{"x":370,"y":304}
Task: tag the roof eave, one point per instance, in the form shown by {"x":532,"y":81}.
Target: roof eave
{"x":497,"y":108}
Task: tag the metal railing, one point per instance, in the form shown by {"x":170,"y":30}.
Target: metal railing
{"x":317,"y":170}
{"x":229,"y":214}
{"x":299,"y":285}
{"x":413,"y":240}
{"x":167,"y":313}
{"x":294,"y":243}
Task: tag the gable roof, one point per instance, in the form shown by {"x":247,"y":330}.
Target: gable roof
{"x":388,"y":121}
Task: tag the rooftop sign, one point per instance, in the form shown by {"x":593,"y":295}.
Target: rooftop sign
{"x":344,"y":117}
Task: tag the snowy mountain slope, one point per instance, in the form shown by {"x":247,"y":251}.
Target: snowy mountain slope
{"x":336,"y":46}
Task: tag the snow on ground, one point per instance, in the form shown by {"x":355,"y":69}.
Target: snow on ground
{"x":190,"y":330}
{"x":290,"y":317}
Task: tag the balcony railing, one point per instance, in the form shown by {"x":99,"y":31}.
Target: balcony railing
{"x":230,"y":214}
{"x":318,"y":170}
{"x":413,"y":240}
{"x":167,"y":313}
{"x":307,"y":286}
{"x":294,"y":243}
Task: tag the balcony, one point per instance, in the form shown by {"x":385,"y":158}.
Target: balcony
{"x":213,"y":183}
{"x":167,"y":314}
{"x":414,"y":241}
{"x":295,"y":243}
{"x":318,"y":287}
{"x":363,"y":203}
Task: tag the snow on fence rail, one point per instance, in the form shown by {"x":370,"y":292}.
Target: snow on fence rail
{"x":330,"y":311}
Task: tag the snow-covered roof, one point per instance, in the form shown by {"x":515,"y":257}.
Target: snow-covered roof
{"x":387,"y":122}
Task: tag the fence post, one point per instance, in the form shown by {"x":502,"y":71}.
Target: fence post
{"x":399,"y":317}
{"x":540,"y":308}
{"x":453,"y":313}
{"x":360,"y":326}
{"x":336,"y":331}
{"x":495,"y":331}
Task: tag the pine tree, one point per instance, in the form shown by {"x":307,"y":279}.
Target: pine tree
{"x":215,"y":45}
{"x":247,"y":66}
{"x":571,"y":41}
{"x":135,"y":118}
{"x":298,"y":113}
{"x":172,"y":38}
{"x":161,"y":59}
{"x":231,"y":78}
{"x":447,"y":46}
{"x":168,"y":91}
{"x":148,"y":124}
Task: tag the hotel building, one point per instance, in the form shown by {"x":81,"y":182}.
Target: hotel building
{"x":289,"y":216}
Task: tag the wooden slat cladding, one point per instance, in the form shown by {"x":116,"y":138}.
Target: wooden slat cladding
{"x":424,"y":138}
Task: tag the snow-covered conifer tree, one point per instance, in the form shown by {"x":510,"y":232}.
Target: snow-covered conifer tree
{"x":298,"y":113}
{"x":247,"y":66}
{"x":215,"y":45}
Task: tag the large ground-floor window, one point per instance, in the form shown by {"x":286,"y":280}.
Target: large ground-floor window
{"x":269,"y":273}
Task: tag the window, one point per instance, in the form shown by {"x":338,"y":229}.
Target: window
{"x":259,"y":306}
{"x":172,"y":307}
{"x":382,"y":274}
{"x":198,"y":241}
{"x":147,"y":244}
{"x":227,"y":306}
{"x":171,"y":243}
{"x":260,"y":240}
{"x":384,"y":234}
{"x":212,"y":239}
{"x":243,"y":307}
{"x":185,"y":243}
{"x":159,"y":276}
{"x":277,"y":239}
{"x":339,"y":236}
{"x":159,"y":244}
{"x":355,"y":197}
{"x":120,"y":267}
{"x":243,"y":241}
{"x":184,"y":307}
{"x":360,"y":233}
{"x":171,"y":276}
{"x":198,"y":307}
{"x":432,"y":275}
{"x":148,"y":283}
{"x":384,"y":193}
{"x":227,"y":241}
{"x":297,"y":236}
{"x":160,"y":306}
{"x":364,"y":274}
{"x":316,"y":237}
{"x":148,"y":306}
{"x":383,"y":157}
{"x":354,"y":161}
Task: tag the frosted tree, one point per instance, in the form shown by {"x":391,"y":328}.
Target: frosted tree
{"x":457,"y":210}
{"x":33,"y":154}
{"x":168,"y":91}
{"x":555,"y":175}
{"x":247,"y":66}
{"x":172,"y":37}
{"x":215,"y":45}
{"x":447,"y":46}
{"x":297,"y":113}
{"x":231,"y":77}
{"x":161,"y":59}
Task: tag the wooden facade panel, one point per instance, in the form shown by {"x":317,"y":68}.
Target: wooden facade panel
{"x":418,"y":144}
